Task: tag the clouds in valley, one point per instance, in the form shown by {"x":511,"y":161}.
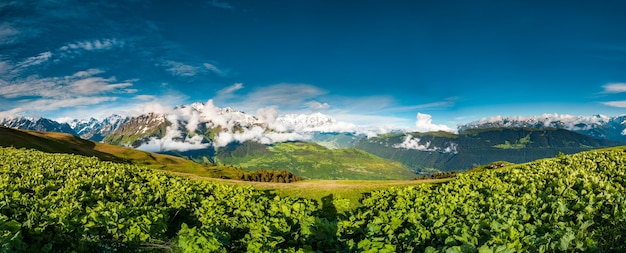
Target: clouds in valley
{"x":174,"y":138}
{"x":413,"y":143}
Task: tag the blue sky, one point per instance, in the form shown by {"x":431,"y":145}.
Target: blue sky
{"x":365,"y":62}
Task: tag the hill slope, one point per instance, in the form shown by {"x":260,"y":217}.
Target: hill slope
{"x":472,"y":147}
{"x":312,"y":161}
{"x":59,"y":202}
{"x":52,"y":142}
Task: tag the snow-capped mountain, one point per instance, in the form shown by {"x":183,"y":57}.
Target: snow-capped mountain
{"x":597,"y":126}
{"x":195,"y":126}
{"x":96,"y":130}
{"x":200,"y":125}
{"x":316,"y":122}
{"x":37,"y":124}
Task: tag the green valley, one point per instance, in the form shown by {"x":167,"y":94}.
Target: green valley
{"x":473,"y":147}
{"x":313,"y":161}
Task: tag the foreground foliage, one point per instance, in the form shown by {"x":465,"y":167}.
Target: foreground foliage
{"x":59,"y":203}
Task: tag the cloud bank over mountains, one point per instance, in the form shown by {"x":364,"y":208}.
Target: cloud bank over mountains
{"x":203,"y":125}
{"x":266,"y":127}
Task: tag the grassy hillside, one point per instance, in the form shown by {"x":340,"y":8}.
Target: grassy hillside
{"x":69,"y":203}
{"x":479,"y":146}
{"x":310,"y":160}
{"x":65,"y":143}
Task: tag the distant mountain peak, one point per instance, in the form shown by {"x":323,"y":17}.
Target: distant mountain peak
{"x":597,"y":126}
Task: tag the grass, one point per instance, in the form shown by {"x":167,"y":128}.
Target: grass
{"x":313,"y":161}
{"x":349,"y":191}
{"x":519,"y":144}
{"x":66,"y":143}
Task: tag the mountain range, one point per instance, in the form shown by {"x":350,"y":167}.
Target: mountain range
{"x":202,"y":132}
{"x":423,"y":152}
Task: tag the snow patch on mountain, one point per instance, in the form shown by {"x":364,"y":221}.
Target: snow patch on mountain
{"x":565,"y":121}
{"x":36,"y":124}
{"x":597,"y":126}
{"x":95,"y":129}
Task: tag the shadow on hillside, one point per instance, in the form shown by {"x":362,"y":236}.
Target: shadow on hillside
{"x":66,"y":144}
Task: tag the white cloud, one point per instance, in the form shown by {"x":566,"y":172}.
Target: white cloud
{"x":424,"y":123}
{"x":92,"y":45}
{"x":286,"y":94}
{"x":316,"y":122}
{"x":228,"y":91}
{"x":173,"y":140}
{"x":614,"y":88}
{"x":5,"y":67}
{"x":53,"y":104}
{"x":87,"y":73}
{"x":214,"y":69}
{"x":35,"y":60}
{"x":180,"y":69}
{"x":52,"y":93}
{"x":281,"y":96}
{"x":78,"y":84}
{"x":145,"y":97}
{"x":259,"y":135}
{"x":97,"y":85}
{"x":8,"y":34}
{"x":620,"y":104}
{"x":413,"y":143}
{"x":317,"y":105}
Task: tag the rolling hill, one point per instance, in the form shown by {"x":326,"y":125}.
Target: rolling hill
{"x":312,"y":161}
{"x":52,"y":142}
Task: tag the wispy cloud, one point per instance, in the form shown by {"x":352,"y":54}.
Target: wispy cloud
{"x":214,"y":69}
{"x":317,"y":105}
{"x":8,"y":34}
{"x":35,"y":60}
{"x":222,"y":5}
{"x":228,"y":91}
{"x":180,"y":69}
{"x":288,"y":95}
{"x":91,"y":45}
{"x":439,"y":104}
{"x":145,"y":97}
{"x":614,"y":88}
{"x":305,"y":99}
{"x":5,"y":67}
{"x":79,"y":47}
{"x":619,"y":104}
{"x":52,"y":93}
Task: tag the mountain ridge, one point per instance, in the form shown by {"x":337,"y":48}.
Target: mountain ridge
{"x":199,"y":130}
{"x":474,"y":147}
